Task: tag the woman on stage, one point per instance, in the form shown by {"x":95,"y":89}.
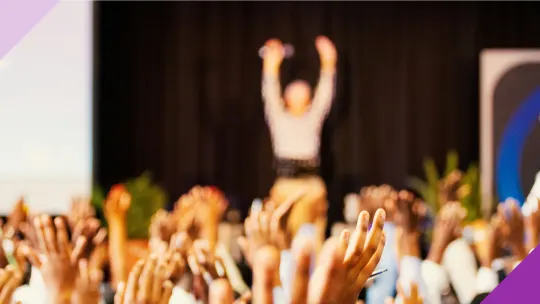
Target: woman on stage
{"x":295,"y":122}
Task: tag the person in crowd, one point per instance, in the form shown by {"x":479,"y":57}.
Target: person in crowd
{"x":295,"y":121}
{"x":370,"y":199}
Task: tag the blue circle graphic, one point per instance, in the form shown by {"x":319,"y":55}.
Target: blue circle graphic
{"x":509,"y":153}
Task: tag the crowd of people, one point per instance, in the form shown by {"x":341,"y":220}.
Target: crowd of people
{"x":389,"y":253}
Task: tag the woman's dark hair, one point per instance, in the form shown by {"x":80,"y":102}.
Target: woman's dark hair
{"x":479,"y":298}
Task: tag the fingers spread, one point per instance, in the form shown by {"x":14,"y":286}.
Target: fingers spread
{"x":356,"y":246}
{"x":133,"y":282}
{"x":50,"y":235}
{"x":62,"y":237}
{"x":366,"y":272}
{"x":328,"y":279}
{"x":40,"y":234}
{"x":78,"y":250}
{"x":373,"y":239}
{"x":167,"y":292}
{"x":157,"y":282}
{"x":146,"y":280}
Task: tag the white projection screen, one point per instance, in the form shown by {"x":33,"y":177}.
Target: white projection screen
{"x":46,"y":112}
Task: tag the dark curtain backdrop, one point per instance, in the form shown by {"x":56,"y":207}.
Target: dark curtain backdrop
{"x":178,"y":87}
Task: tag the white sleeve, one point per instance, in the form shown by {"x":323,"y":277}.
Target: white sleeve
{"x":435,"y":279}
{"x":486,"y":280}
{"x":24,"y":294}
{"x":279,"y":295}
{"x":286,"y":272}
{"x":460,"y":264}
{"x":179,"y":295}
{"x":324,"y":95}
{"x":410,"y":270}
{"x":271,"y":93}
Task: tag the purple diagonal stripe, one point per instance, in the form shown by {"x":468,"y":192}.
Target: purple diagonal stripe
{"x":17,"y":18}
{"x":521,"y":285}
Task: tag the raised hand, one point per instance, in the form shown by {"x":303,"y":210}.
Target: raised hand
{"x":207,"y":260}
{"x":210,"y":206}
{"x":162,"y":228}
{"x":11,"y":250}
{"x":10,"y":279}
{"x":268,"y":226}
{"x":92,"y":231}
{"x":363,"y":252}
{"x":206,"y":267}
{"x":327,"y":51}
{"x":446,"y":230}
{"x":87,"y":286}
{"x":328,"y":284}
{"x":532,"y":227}
{"x":450,"y":188}
{"x":57,"y":259}
{"x":81,"y":210}
{"x":117,"y":202}
{"x":184,"y":214}
{"x":273,"y":54}
{"x":493,"y":243}
{"x":408,"y":216}
{"x":199,"y":212}
{"x":329,"y":281}
{"x":147,"y":284}
{"x":16,"y":217}
{"x":29,"y":232}
{"x":257,"y":230}
{"x":116,"y":207}
{"x":374,"y":197}
{"x":513,"y":227}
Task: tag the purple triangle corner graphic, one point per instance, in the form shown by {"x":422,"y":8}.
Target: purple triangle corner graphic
{"x":18,"y":17}
{"x":521,"y":285}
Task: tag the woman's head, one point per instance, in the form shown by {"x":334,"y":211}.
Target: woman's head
{"x":297,"y":96}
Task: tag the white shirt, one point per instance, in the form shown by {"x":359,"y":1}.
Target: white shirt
{"x":460,"y":265}
{"x":410,"y":271}
{"x":296,"y":137}
{"x":436,"y":280}
{"x":179,"y":295}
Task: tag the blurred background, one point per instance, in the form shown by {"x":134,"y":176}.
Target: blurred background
{"x":176,"y":90}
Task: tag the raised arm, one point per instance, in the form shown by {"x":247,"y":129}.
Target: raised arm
{"x":271,"y":88}
{"x":324,"y":93}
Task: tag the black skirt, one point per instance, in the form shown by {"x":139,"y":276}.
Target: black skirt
{"x":293,"y":168}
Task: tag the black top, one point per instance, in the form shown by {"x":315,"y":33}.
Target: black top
{"x":296,"y":168}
